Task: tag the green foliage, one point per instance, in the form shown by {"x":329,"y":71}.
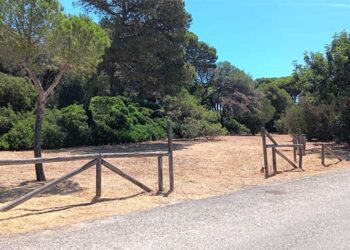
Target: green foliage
{"x":79,"y":44}
{"x":117,"y":120}
{"x":314,"y":121}
{"x":281,"y":126}
{"x":294,"y":120}
{"x":36,"y":34}
{"x":24,"y":26}
{"x":203,"y":58}
{"x":325,"y":92}
{"x":73,"y":123}
{"x":20,"y":136}
{"x":7,"y":118}
{"x":146,"y":58}
{"x":192,"y":119}
{"x":61,"y":128}
{"x":70,"y":91}
{"x":234,"y":127}
{"x":52,"y":134}
{"x":285,"y":83}
{"x":341,"y":125}
{"x":17,"y":92}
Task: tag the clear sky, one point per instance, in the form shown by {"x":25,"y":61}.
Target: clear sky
{"x":264,"y":37}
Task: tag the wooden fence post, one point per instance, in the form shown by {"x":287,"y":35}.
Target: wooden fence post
{"x":295,"y":141}
{"x":323,"y":154}
{"x":266,"y":163}
{"x":171,"y":157}
{"x":160,"y":173}
{"x":98,"y":177}
{"x":274,"y":162}
{"x":300,"y":157}
{"x":303,"y":141}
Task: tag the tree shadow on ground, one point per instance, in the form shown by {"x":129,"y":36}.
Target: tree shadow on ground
{"x":12,"y":193}
{"x":132,"y":147}
{"x":340,"y":152}
{"x":33,"y":212}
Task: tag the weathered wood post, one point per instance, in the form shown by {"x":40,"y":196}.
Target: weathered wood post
{"x":323,"y":154}
{"x":295,"y":141}
{"x":98,"y":177}
{"x":170,"y":152}
{"x":160,"y":173}
{"x":300,"y":157}
{"x":266,"y":163}
{"x":303,"y":141}
{"x":274,"y":162}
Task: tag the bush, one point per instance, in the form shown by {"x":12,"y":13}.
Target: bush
{"x":109,"y":114}
{"x":118,"y":120}
{"x":17,"y":92}
{"x":52,"y":134}
{"x":73,"y":123}
{"x":234,"y":127}
{"x":192,"y":119}
{"x":341,"y":125}
{"x":7,"y":118}
{"x":281,"y":126}
{"x":59,"y":129}
{"x":314,"y":121}
{"x":20,"y":136}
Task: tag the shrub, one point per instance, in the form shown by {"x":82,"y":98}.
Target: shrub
{"x":118,"y":120}
{"x":192,"y":119}
{"x":341,"y":125}
{"x":7,"y":118}
{"x":313,"y":120}
{"x":234,"y":127}
{"x":20,"y":136}
{"x":281,"y":126}
{"x":17,"y":92}
{"x":52,"y":134}
{"x":73,"y":123}
{"x":109,"y":115}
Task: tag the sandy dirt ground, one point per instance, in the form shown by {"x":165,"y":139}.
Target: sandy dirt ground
{"x":202,"y":169}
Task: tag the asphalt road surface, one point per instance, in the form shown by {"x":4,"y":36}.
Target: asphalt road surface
{"x":310,"y":213}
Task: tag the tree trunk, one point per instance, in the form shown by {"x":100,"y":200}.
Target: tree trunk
{"x":39,"y":115}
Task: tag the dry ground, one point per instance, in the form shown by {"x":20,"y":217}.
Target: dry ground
{"x":202,"y":169}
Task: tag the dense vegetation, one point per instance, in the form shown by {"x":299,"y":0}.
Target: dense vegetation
{"x":155,"y":68}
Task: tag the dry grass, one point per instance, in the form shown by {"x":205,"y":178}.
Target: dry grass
{"x":202,"y":169}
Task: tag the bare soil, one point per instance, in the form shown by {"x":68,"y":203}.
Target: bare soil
{"x":202,"y":169}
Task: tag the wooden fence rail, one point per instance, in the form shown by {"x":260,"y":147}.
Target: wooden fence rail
{"x":296,"y":146}
{"x":99,"y":161}
{"x":326,"y":149}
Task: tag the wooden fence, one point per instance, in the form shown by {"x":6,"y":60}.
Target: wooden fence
{"x":325,"y":149}
{"x":97,"y":160}
{"x":275,"y":151}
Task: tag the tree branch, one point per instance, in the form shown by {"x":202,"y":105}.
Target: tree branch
{"x":34,"y":78}
{"x":55,"y":82}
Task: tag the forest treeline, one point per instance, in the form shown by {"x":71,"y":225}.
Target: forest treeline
{"x":154,"y":68}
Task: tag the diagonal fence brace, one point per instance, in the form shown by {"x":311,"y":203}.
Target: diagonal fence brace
{"x":125,"y":176}
{"x":47,"y":186}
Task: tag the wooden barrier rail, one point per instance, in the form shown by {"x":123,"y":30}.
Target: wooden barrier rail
{"x":325,"y":149}
{"x":296,"y":146}
{"x":99,"y":161}
{"x":26,"y":161}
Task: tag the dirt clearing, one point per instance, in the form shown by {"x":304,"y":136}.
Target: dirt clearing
{"x":202,"y":169}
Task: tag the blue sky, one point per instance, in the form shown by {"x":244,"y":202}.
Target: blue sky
{"x":264,"y":37}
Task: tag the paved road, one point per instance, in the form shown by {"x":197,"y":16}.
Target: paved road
{"x":311,"y":213}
